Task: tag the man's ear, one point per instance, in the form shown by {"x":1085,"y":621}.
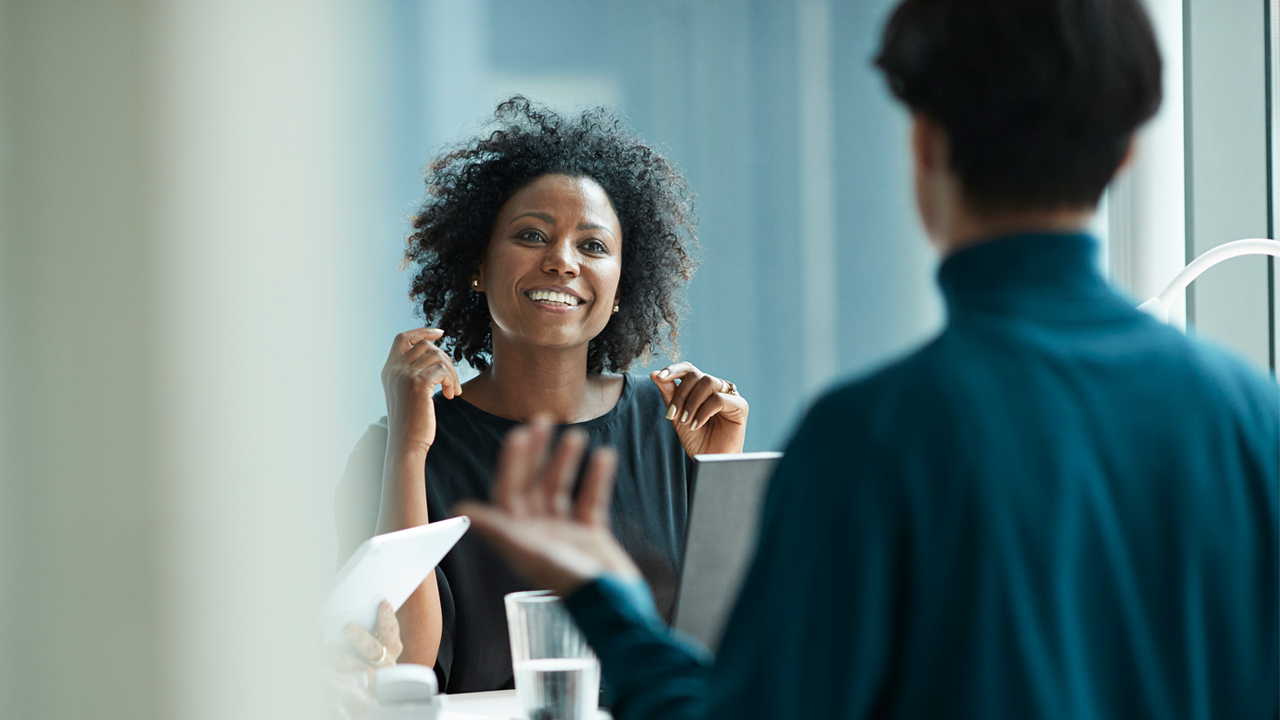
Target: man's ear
{"x":1129,"y":152}
{"x":928,"y":143}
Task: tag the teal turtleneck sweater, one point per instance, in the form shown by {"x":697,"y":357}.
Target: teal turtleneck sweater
{"x":1058,"y":508}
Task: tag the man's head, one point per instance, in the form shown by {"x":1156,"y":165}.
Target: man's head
{"x":1021,"y":107}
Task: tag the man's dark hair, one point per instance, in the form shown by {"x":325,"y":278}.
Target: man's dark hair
{"x":1039,"y":98}
{"x":467,"y":186}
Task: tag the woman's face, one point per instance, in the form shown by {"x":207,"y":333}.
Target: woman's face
{"x":551,"y":271}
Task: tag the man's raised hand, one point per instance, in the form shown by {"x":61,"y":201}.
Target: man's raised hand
{"x":557,"y":544}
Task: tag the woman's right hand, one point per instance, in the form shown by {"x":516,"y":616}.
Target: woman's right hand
{"x":413,"y":370}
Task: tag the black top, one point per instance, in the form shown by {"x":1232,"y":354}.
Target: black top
{"x":650,"y":509}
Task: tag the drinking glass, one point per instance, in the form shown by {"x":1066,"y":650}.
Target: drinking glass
{"x":557,"y":675}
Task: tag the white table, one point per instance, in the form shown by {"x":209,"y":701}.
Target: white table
{"x":497,"y":705}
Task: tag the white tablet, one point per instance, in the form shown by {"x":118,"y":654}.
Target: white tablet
{"x":386,"y":567}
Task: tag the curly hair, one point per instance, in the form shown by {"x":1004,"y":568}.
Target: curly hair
{"x":467,"y":187}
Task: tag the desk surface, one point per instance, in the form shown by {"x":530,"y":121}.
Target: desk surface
{"x":498,"y":705}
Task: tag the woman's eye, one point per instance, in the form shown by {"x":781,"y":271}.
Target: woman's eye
{"x":530,"y":236}
{"x":596,"y":247}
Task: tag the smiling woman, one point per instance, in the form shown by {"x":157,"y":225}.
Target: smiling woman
{"x":648,"y":201}
{"x":550,"y":255}
{"x":553,"y":263}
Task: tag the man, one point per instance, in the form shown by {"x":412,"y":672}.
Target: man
{"x":1059,"y":508}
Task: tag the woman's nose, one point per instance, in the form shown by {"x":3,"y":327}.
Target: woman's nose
{"x":560,"y":258}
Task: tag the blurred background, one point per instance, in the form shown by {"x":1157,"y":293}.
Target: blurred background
{"x":813,"y":262}
{"x":202,"y":213}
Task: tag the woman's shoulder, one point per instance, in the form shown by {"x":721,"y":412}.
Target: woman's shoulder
{"x":640,"y":419}
{"x":641,"y":395}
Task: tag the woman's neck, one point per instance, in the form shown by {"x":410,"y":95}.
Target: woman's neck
{"x":523,"y":383}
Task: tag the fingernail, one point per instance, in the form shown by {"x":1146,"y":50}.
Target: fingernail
{"x":671,"y":411}
{"x":663,"y":375}
{"x":685,"y":416}
{"x":694,"y":426}
{"x":350,"y":630}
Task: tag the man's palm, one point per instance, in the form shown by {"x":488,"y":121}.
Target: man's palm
{"x":555,"y":545}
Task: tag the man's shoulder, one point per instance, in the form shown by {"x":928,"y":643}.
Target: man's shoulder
{"x":1201,"y":369}
{"x":1236,"y":383}
{"x":884,"y":388}
{"x":867,"y":411}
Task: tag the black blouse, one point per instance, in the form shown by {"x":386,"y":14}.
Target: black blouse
{"x":650,"y":510}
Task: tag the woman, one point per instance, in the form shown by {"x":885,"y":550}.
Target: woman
{"x":550,"y":256}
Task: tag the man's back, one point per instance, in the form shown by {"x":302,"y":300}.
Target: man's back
{"x":1059,"y":508}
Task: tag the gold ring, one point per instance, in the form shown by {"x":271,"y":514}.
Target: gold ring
{"x":382,"y":659}
{"x":729,"y":387}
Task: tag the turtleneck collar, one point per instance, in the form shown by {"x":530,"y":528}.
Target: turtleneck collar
{"x":1036,"y":275}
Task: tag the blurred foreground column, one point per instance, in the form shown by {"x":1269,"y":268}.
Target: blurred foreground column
{"x":168,"y":234}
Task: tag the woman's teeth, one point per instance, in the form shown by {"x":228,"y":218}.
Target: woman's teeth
{"x":553,"y":297}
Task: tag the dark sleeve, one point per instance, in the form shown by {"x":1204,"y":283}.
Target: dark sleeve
{"x":653,"y":670}
{"x":811,"y":630}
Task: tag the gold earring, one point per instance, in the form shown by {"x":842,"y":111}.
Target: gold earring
{"x":615,"y":308}
{"x":475,"y":283}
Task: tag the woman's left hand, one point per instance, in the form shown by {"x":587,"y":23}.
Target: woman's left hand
{"x":706,"y":415}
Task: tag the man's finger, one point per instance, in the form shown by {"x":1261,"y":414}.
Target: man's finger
{"x":559,"y":474}
{"x":592,"y":507}
{"x":491,"y":524}
{"x":539,"y":447}
{"x":483,"y":517}
{"x":513,"y":460}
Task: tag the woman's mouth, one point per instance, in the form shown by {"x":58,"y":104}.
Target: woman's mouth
{"x":553,"y":298}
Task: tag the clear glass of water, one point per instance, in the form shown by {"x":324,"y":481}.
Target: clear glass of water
{"x":557,"y":675}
